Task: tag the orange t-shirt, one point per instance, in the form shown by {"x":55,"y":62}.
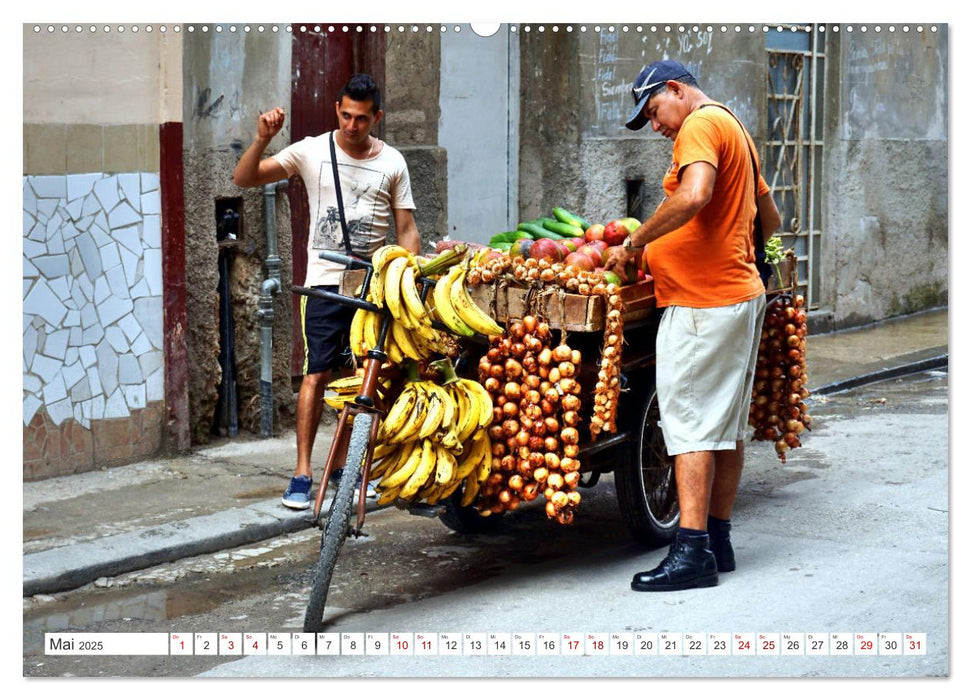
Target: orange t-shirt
{"x":710,"y":261}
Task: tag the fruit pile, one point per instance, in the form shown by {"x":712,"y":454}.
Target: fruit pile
{"x":536,"y":414}
{"x":572,"y":240}
{"x":778,"y":410}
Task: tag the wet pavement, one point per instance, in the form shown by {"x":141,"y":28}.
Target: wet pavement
{"x":82,"y":528}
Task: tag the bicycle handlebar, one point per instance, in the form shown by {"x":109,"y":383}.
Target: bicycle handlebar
{"x":347,"y":261}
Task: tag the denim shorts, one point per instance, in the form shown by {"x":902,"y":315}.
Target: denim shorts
{"x":705,"y":371}
{"x":325,"y":332}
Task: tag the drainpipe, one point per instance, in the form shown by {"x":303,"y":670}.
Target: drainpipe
{"x":270,"y":287}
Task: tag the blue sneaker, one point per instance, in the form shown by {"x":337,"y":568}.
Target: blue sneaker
{"x":335,"y":478}
{"x":297,"y":495}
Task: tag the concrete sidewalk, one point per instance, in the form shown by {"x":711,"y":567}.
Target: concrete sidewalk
{"x":80,"y":528}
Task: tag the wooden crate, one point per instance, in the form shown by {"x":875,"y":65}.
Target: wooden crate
{"x":571,"y":312}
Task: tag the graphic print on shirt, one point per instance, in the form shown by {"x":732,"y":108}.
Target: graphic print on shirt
{"x":358,"y":210}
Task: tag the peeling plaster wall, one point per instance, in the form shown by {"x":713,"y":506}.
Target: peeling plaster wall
{"x":228,"y":80}
{"x":575,"y":150}
{"x":887,"y":160}
{"x":411,"y":106}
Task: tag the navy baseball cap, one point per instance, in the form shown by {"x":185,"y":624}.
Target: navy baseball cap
{"x":650,"y":80}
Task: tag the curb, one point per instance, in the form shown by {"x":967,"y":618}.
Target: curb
{"x":930,"y":363}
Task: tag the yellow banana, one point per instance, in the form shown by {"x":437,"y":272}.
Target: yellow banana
{"x":473,"y":458}
{"x":479,"y":398}
{"x":410,"y":295}
{"x":444,"y":466}
{"x":468,"y":412}
{"x":471,"y":490}
{"x":399,"y":476}
{"x":392,"y":285}
{"x":395,"y":353}
{"x":356,"y":334}
{"x":337,"y":402}
{"x":406,"y":341}
{"x":443,"y":304}
{"x":372,"y":330}
{"x":485,"y":467}
{"x":398,"y":413}
{"x":448,"y":419}
{"x":473,"y":317}
{"x":344,"y":385}
{"x":408,"y":430}
{"x":425,"y":468}
{"x":386,"y":497}
{"x":385,"y":254}
{"x":436,"y":411}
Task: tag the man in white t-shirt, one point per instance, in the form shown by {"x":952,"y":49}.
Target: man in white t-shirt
{"x":375,"y":187}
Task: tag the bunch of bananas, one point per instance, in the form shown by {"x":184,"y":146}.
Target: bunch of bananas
{"x":401,"y":342}
{"x":433,"y":439}
{"x":344,"y":389}
{"x":456,"y":309}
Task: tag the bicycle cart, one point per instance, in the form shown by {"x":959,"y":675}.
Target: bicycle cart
{"x":635,"y":453}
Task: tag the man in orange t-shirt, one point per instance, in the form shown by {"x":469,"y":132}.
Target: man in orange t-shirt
{"x":700,"y":250}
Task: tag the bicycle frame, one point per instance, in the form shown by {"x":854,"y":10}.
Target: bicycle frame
{"x":376,"y":357}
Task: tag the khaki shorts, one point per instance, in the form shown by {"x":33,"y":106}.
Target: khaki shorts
{"x":705,"y":371}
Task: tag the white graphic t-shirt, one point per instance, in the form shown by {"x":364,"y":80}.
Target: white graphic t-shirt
{"x":371,"y":188}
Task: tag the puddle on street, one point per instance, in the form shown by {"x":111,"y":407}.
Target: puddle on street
{"x":151,"y":606}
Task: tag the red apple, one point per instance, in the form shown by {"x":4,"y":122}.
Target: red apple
{"x":546,"y":249}
{"x":564,"y":249}
{"x":579,"y":261}
{"x":615,"y":232}
{"x":599,"y":245}
{"x":571,"y":244}
{"x":594,"y":233}
{"x":595,"y":255}
{"x":631,"y":223}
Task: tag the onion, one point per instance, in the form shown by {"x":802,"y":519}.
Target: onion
{"x":555,"y":481}
{"x":550,"y":509}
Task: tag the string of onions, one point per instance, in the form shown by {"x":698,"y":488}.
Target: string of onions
{"x":778,"y":411}
{"x":536,"y":411}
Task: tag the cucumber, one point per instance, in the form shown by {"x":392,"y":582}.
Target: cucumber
{"x":569,"y":218}
{"x":539,"y":231}
{"x":506,"y":237}
{"x":565,"y":230}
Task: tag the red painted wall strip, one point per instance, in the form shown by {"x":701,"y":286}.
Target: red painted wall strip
{"x":176,"y":435}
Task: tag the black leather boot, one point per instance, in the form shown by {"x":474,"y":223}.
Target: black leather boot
{"x":721,"y":545}
{"x":720,"y":536}
{"x":689,"y":564}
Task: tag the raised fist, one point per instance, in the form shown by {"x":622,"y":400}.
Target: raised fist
{"x":270,"y":123}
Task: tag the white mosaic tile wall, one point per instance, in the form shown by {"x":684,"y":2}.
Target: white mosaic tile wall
{"x":92,"y":285}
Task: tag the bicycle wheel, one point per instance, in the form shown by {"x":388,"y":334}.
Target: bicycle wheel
{"x":338,"y":522}
{"x":646,"y":490}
